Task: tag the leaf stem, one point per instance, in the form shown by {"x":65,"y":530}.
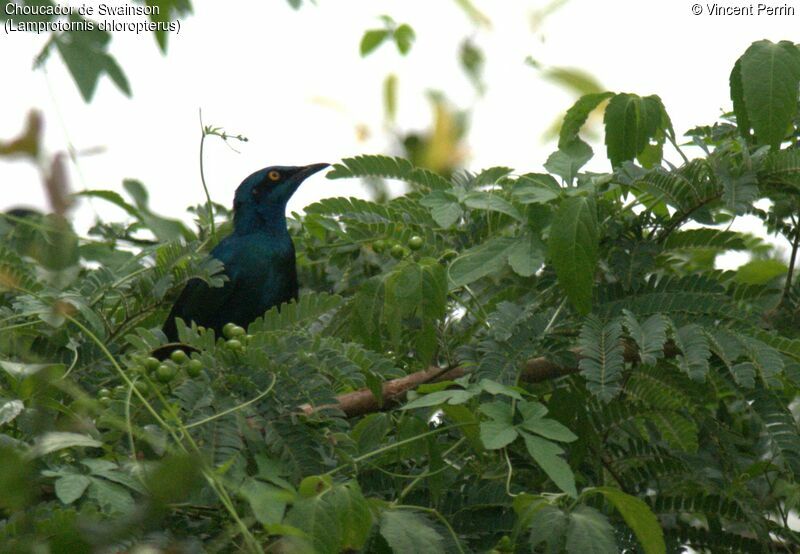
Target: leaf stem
{"x":792,"y":260}
{"x":394,"y":445}
{"x":203,"y":175}
{"x":426,"y":474}
{"x":234,"y":408}
{"x":438,"y":516}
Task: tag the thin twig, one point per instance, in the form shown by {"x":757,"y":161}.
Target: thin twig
{"x":203,"y":175}
{"x":792,"y":260}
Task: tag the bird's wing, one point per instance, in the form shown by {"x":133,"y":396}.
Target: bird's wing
{"x":201,"y":303}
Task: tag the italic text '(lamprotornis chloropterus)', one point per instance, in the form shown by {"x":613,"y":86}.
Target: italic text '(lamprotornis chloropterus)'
{"x":258,"y":256}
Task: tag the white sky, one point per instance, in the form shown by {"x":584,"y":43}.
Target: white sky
{"x":293,"y":82}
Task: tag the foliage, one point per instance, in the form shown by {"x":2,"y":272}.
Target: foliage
{"x":596,"y":384}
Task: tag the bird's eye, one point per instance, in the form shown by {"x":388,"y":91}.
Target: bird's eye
{"x":273,"y":175}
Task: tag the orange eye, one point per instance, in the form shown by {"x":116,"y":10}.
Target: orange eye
{"x":273,"y":175}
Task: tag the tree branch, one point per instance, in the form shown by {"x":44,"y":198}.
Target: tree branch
{"x":535,"y":370}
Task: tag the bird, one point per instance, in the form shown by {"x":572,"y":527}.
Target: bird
{"x":258,"y":256}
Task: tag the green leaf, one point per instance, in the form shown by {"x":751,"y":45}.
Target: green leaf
{"x":367,"y":308}
{"x":305,"y":311}
{"x":404,"y":36}
{"x":9,"y":410}
{"x":112,"y":498}
{"x":678,"y":431}
{"x":496,"y":434}
{"x":174,"y":479}
{"x":567,"y":161}
{"x":602,"y":359}
{"x":535,"y":188}
{"x":499,"y":431}
{"x":739,"y":192}
{"x":577,"y":114}
{"x":495,"y":388}
{"x":114,"y":198}
{"x":491,"y":202}
{"x":631,"y":123}
{"x":526,"y":255}
{"x":692,"y":343}
{"x":575,"y":80}
{"x":649,"y":337}
{"x":445,"y":208}
{"x":531,"y":411}
{"x":168,"y":10}
{"x":548,"y":526}
{"x":56,"y":440}
{"x":472,"y":61}
{"x":416,"y":289}
{"x":370,"y":431}
{"x":480,"y":261}
{"x":550,"y":429}
{"x":639,"y":518}
{"x":737,"y":96}
{"x":589,"y":532}
{"x":479,"y":18}
{"x":319,"y":520}
{"x":163,"y":228}
{"x":778,"y":425}
{"x":267,"y":502}
{"x":85,"y":55}
{"x":70,"y":488}
{"x":390,"y":97}
{"x":573,"y":249}
{"x":16,"y":478}
{"x":490,"y":176}
{"x":371,"y":40}
{"x":766,"y":360}
{"x":547,"y":455}
{"x":718,"y":239}
{"x":759,"y":272}
{"x":744,"y":374}
{"x":770,"y":76}
{"x":406,"y":531}
{"x":781,"y":167}
{"x":391,"y":168}
{"x":466,"y":417}
{"x":355,"y":518}
{"x":452,"y":397}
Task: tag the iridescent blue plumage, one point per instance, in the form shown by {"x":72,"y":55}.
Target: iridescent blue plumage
{"x":258,"y":256}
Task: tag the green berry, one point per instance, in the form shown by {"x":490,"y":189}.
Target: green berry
{"x":379,"y":246}
{"x":178,"y":356}
{"x":105,"y":401}
{"x":314,"y":485}
{"x":237,"y":331}
{"x":415,"y":242}
{"x":141,"y":386}
{"x":151,"y":364}
{"x":119,"y":390}
{"x":227,"y":330}
{"x":193,"y":368}
{"x":397,"y":251}
{"x":165,"y":373}
{"x":104,"y":393}
{"x":234,"y":344}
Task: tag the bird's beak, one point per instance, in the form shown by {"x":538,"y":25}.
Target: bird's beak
{"x":308,"y":171}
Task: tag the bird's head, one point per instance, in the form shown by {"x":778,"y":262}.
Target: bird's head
{"x":266,"y":192}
